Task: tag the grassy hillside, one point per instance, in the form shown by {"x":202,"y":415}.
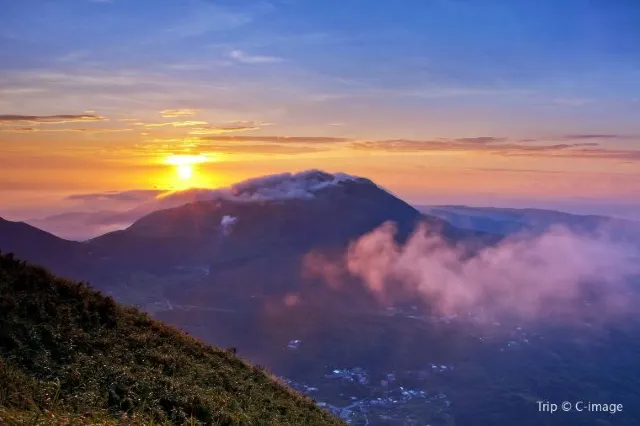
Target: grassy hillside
{"x":70,"y":354}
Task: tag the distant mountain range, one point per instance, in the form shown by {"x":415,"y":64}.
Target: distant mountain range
{"x":506,"y":221}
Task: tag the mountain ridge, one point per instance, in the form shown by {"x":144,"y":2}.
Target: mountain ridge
{"x":61,"y":337}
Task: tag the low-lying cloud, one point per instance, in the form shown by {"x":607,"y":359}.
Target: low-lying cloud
{"x":526,"y":276}
{"x":135,"y":195}
{"x":227,"y":223}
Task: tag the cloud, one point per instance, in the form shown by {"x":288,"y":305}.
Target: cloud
{"x":503,"y":147}
{"x":287,"y":185}
{"x":282,"y":186}
{"x":278,"y":139}
{"x":593,"y":136}
{"x":174,"y":113}
{"x":227,"y":223}
{"x":483,"y":140}
{"x":585,"y":146}
{"x":71,"y":130}
{"x":19,"y":130}
{"x":529,"y":277}
{"x":593,"y":153}
{"x":257,"y":148}
{"x":49,"y":119}
{"x":208,"y":17}
{"x":230,"y":146}
{"x":187,"y":123}
{"x":246,"y":58}
{"x":577,"y":102}
{"x":214,"y":130}
{"x":482,"y":144}
{"x":136,"y":195}
{"x":514,"y":170}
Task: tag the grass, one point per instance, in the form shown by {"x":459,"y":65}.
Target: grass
{"x":70,"y":355}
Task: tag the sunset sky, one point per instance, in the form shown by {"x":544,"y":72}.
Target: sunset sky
{"x":480,"y":102}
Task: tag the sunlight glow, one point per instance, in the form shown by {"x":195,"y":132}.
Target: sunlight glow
{"x":185,"y":168}
{"x":185,"y":171}
{"x":186,"y":159}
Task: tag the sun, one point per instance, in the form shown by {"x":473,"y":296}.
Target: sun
{"x":185,"y":171}
{"x":185,"y":166}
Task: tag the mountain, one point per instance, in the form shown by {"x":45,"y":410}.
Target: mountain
{"x":81,"y":226}
{"x":282,"y":212}
{"x":84,"y":225}
{"x":67,"y":350}
{"x":506,"y":221}
{"x":68,"y":258}
{"x":249,"y":240}
{"x":252,"y":240}
{"x":247,"y":225}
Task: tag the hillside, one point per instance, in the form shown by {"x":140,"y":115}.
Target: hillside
{"x":63,"y":257}
{"x":67,"y":351}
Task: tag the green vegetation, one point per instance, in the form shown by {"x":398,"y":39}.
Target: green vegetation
{"x":70,"y":355}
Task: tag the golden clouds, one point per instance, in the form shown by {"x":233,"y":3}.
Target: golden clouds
{"x":174,"y":124}
{"x":176,"y":113}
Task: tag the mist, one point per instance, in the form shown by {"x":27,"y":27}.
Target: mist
{"x":526,"y":276}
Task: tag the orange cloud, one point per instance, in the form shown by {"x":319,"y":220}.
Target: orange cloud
{"x":174,"y":124}
{"x":175,"y":113}
{"x":216,"y":130}
{"x":284,"y":139}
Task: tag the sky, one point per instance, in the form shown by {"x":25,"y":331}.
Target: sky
{"x":479,"y":102}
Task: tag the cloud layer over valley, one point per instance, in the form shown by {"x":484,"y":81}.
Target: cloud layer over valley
{"x":559,"y":272}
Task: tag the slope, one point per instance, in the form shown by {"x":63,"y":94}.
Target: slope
{"x":69,"y":349}
{"x":61,"y":256}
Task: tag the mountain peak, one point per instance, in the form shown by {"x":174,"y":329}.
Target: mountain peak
{"x":282,"y":186}
{"x":288,"y":211}
{"x":288,"y":185}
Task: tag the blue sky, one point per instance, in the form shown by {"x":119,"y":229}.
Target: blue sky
{"x":520,"y":72}
{"x":549,"y":60}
